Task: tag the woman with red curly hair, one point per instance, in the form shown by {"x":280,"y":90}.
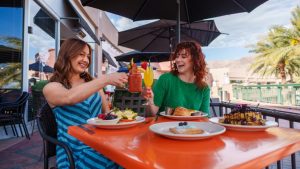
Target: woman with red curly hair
{"x":184,"y":86}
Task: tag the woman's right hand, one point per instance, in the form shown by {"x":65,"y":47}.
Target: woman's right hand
{"x":117,"y":79}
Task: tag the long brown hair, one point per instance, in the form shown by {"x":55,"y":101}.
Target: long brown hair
{"x":69,"y":49}
{"x":198,"y":60}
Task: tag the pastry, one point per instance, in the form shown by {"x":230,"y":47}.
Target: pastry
{"x":184,"y":128}
{"x":249,"y":118}
{"x":181,"y":111}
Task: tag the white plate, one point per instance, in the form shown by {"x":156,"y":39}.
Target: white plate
{"x":244,"y":127}
{"x":183,"y":117}
{"x":120,"y":125}
{"x":210,"y":130}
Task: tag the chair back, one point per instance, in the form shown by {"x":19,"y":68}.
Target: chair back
{"x":38,"y":100}
{"x":214,"y":107}
{"x":123,"y":99}
{"x":48,"y":128}
{"x":22,"y":103}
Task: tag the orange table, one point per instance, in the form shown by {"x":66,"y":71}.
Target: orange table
{"x":139,"y":148}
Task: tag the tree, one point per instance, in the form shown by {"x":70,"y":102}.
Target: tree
{"x":11,"y":73}
{"x":279,"y":52}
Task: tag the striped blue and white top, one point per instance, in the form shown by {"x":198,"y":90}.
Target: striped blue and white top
{"x":84,"y":156}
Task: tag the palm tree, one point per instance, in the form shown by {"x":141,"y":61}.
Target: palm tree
{"x":11,"y":72}
{"x":279,"y":52}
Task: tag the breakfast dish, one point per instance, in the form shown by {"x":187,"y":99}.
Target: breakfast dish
{"x":184,"y":128}
{"x":181,"y":111}
{"x":119,"y":125}
{"x":236,"y":127}
{"x":244,"y":118}
{"x":202,"y":130}
{"x":196,"y":115}
{"x":116,"y":119}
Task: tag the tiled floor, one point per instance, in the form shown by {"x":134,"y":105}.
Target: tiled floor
{"x":21,"y":153}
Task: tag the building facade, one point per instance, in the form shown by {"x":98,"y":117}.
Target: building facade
{"x":31,"y":32}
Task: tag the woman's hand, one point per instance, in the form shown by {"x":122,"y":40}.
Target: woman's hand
{"x":117,"y":79}
{"x":147,"y":93}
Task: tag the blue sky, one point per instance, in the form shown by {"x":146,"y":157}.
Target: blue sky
{"x":12,"y":25}
{"x":244,"y":29}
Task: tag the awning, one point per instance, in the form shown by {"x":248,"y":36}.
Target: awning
{"x":45,"y":22}
{"x":85,"y":25}
{"x":109,"y":59}
{"x":75,"y":22}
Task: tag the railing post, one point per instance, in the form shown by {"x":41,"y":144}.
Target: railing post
{"x":260,"y":93}
{"x":293,"y":96}
{"x":279,"y":95}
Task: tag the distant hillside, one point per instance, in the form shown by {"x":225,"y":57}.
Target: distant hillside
{"x":237,"y":68}
{"x":242,"y":62}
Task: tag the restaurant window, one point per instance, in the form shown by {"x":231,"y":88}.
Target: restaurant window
{"x":11,"y":40}
{"x":41,"y":57}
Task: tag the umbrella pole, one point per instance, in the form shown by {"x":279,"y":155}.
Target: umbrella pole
{"x":178,"y":20}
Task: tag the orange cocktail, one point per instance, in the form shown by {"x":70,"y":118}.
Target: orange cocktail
{"x":134,"y":80}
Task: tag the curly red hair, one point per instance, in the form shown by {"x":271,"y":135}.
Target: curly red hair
{"x":198,"y":60}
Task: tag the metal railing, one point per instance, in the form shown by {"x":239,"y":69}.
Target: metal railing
{"x":287,"y":94}
{"x":219,"y":109}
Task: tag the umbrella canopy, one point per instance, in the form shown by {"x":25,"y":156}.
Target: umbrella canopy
{"x":144,"y":56}
{"x":40,"y":67}
{"x":180,"y":10}
{"x":160,"y":35}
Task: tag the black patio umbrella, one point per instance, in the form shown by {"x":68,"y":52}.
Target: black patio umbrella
{"x":40,"y":67}
{"x":160,"y":35}
{"x":144,"y":56}
{"x":180,"y":10}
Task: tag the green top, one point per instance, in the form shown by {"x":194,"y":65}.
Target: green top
{"x":170,"y":91}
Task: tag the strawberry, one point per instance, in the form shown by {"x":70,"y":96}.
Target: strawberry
{"x":101,"y":116}
{"x":144,"y":65}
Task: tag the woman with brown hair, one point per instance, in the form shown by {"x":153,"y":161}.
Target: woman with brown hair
{"x":184,"y":86}
{"x":74,"y":97}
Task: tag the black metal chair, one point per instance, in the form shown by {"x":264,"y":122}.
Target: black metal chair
{"x":38,"y":100}
{"x":48,"y":130}
{"x":123,"y":99}
{"x":13,"y":113}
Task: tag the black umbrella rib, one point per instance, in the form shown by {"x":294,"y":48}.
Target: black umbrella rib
{"x":241,"y":6}
{"x":138,"y":36}
{"x":140,"y":9}
{"x":187,"y":11}
{"x":87,"y":2}
{"x":153,"y":40}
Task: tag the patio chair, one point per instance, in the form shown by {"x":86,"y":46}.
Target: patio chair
{"x":12,"y":113}
{"x":47,"y":127}
{"x":38,"y":100}
{"x":123,"y":99}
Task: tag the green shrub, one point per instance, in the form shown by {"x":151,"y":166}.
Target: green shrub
{"x":38,"y":86}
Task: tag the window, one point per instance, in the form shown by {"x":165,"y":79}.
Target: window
{"x":41,"y":44}
{"x":11,"y":34}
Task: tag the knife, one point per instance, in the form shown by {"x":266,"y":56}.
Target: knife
{"x":86,"y":129}
{"x":156,"y":117}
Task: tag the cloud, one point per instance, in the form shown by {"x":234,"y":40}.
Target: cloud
{"x":247,"y":28}
{"x":122,"y":23}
